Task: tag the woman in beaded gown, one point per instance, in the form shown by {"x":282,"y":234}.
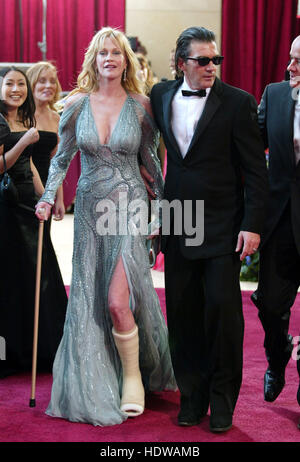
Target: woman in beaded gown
{"x":18,"y":242}
{"x":115,"y":343}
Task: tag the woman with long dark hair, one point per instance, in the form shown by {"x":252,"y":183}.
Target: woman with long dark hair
{"x":18,"y":240}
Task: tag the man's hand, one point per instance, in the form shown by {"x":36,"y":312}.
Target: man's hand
{"x":147,"y":178}
{"x":59,"y":210}
{"x":249,"y":242}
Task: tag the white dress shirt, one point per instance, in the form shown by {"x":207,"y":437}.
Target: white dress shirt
{"x":186,"y":112}
{"x":297,"y":129}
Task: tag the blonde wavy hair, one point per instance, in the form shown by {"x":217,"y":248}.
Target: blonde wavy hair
{"x":87,"y":80}
{"x":33,"y":74}
{"x":151,"y":79}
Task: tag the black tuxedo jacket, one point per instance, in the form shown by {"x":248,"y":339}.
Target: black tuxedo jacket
{"x":276,"y":120}
{"x":225,"y":166}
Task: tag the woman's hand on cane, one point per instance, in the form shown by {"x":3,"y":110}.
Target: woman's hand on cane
{"x":43,"y":210}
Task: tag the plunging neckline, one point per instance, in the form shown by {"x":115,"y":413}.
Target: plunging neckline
{"x":116,"y":124}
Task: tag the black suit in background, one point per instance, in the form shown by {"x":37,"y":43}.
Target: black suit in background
{"x":224,"y":166}
{"x":279,"y":276}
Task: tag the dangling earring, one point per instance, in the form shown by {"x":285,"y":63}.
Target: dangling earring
{"x":125,"y":74}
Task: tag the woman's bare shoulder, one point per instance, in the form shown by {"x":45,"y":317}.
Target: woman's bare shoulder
{"x":55,"y":116}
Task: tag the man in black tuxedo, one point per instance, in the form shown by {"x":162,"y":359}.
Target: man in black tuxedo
{"x":215,"y":154}
{"x":279,"y":276}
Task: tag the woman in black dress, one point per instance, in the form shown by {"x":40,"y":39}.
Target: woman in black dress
{"x":18,"y":241}
{"x":46,"y":91}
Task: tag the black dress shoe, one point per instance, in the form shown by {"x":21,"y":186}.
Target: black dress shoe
{"x":219,"y":424}
{"x":189,"y":419}
{"x":273,"y":385}
{"x":191,"y":411}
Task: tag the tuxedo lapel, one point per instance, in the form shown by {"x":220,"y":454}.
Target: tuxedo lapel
{"x":287,"y":107}
{"x":212,"y":104}
{"x":167,"y":113}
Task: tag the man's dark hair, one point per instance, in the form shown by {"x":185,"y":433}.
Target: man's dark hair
{"x":201,"y":34}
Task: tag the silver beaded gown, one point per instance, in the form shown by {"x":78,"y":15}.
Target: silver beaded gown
{"x":87,"y":372}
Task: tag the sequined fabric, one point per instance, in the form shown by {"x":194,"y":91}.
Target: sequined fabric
{"x":87,"y":373}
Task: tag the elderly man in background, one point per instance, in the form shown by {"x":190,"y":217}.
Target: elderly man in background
{"x":279,"y":275}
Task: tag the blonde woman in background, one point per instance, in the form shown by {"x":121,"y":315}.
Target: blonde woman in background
{"x":115,"y":342}
{"x":145,"y":73}
{"x":46,"y":90}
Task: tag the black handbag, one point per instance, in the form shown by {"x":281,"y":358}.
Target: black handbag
{"x":8,"y":190}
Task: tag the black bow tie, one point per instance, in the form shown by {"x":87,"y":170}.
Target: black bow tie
{"x":200,"y":93}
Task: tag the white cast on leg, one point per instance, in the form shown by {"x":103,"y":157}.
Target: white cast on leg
{"x":133,"y":394}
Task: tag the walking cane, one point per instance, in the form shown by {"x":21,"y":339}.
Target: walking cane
{"x":36,"y":308}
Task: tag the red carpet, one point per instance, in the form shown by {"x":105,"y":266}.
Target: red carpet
{"x":254,"y":420}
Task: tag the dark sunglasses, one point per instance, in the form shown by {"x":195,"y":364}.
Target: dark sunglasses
{"x":204,"y":60}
